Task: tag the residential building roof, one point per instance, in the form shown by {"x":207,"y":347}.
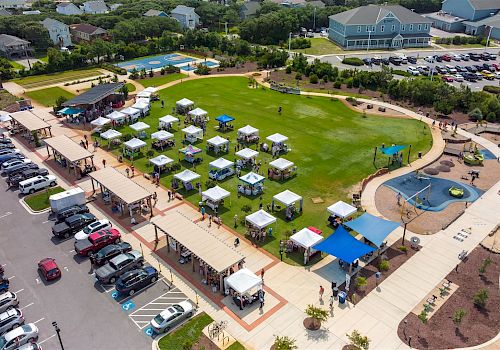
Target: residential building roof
{"x":11,"y":40}
{"x":50,"y":22}
{"x":371,"y":14}
{"x":153,"y":13}
{"x":96,"y":6}
{"x":183,"y":10}
{"x":250,"y":8}
{"x":87,"y":28}
{"x":289,"y":2}
{"x":65,"y":4}
{"x":493,"y":21}
{"x":485,"y":4}
{"x":4,"y":12}
{"x":316,"y":3}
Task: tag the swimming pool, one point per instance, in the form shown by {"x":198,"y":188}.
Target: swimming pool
{"x":155,"y":62}
{"x":192,"y":67}
{"x":437,"y":197}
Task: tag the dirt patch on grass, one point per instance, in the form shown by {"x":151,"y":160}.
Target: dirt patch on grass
{"x":204,"y":343}
{"x":240,"y":69}
{"x":478,"y":326}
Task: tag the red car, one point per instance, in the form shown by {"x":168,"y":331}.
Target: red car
{"x":49,"y":269}
{"x":447,"y":78}
{"x":446,"y":57}
{"x":496,"y":65}
{"x":96,"y":241}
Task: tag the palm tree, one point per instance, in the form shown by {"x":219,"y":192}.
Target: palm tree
{"x":317,"y":315}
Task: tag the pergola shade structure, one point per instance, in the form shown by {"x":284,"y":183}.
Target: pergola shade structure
{"x":121,"y":186}
{"x":260,"y":219}
{"x":31,"y":123}
{"x":205,"y":247}
{"x":69,"y":150}
{"x":94,"y":95}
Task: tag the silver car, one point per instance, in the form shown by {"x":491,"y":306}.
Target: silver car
{"x":8,"y":300}
{"x":172,"y":316}
{"x":27,"y":333}
{"x":10,"y":319}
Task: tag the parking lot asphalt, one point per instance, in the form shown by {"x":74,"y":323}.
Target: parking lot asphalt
{"x":89,"y":315}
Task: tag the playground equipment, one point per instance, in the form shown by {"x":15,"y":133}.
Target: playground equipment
{"x":456,"y":192}
{"x":474,"y":156}
{"x":412,"y":203}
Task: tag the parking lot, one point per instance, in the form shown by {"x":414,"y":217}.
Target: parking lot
{"x":90,"y":316}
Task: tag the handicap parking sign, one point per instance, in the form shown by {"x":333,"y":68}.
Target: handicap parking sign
{"x":149,"y":331}
{"x":128,"y":306}
{"x":115,"y":295}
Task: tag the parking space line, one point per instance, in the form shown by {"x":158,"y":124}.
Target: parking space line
{"x":25,"y":306}
{"x":43,"y":341}
{"x":19,"y":291}
{"x":46,"y":221}
{"x":72,"y":251}
{"x":4,"y":265}
{"x":5,"y":215}
{"x":43,"y":318}
{"x":11,"y":277}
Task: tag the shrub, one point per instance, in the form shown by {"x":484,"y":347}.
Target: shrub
{"x":352,"y":100}
{"x":114,"y":69}
{"x":126,"y":137}
{"x":403,"y":248}
{"x":353,"y":61}
{"x":480,"y":298}
{"x":316,"y":313}
{"x":300,"y":43}
{"x":423,"y":317}
{"x":202,"y":70}
{"x":246,"y":208}
{"x":172,"y":69}
{"x":313,"y":79}
{"x":325,"y":79}
{"x":485,"y":263}
{"x":400,"y":72}
{"x":162,"y":71}
{"x":358,"y":341}
{"x":491,"y":117}
{"x":492,"y":89}
{"x":476,"y":114}
{"x":284,"y":343}
{"x":288,"y":70}
{"x":298,"y":76}
{"x":151,"y":74}
{"x":337,"y":84}
{"x":60,"y":100}
{"x":150,"y":153}
{"x":360,"y":282}
{"x":349,"y":83}
{"x":384,"y":265}
{"x":458,"y":316}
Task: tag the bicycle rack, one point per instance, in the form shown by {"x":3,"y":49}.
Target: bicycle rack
{"x":218,"y":336}
{"x":223,"y":339}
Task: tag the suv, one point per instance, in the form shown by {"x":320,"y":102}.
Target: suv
{"x":10,"y":319}
{"x":109,"y":252}
{"x":8,"y":300}
{"x":6,"y":155}
{"x":65,"y":213}
{"x":21,"y":335}
{"x":37,"y":183}
{"x":470,"y":77}
{"x":471,"y":69}
{"x":103,"y":224}
{"x":395,"y":60}
{"x":474,"y":56}
{"x":132,"y":281}
{"x":15,"y":179}
{"x":118,"y":265}
{"x":412,"y":70}
{"x":412,"y":59}
{"x":96,"y":241}
{"x":430,"y":59}
{"x":72,"y":225}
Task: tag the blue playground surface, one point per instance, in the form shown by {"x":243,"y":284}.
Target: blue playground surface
{"x":190,"y":68}
{"x":155,"y":62}
{"x":487,"y":154}
{"x":435,"y":199}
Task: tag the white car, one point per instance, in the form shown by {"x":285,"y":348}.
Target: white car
{"x":412,"y":70}
{"x":14,"y":162}
{"x":497,"y":75}
{"x":430,"y":59}
{"x":37,"y":183}
{"x":465,"y":57}
{"x":98,"y":225}
{"x":21,"y":335}
{"x":458,"y":77}
{"x":403,"y":57}
{"x":451,"y":69}
{"x":171,"y":316}
{"x":456,"y":57}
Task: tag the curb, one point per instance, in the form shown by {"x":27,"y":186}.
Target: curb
{"x":31,"y":211}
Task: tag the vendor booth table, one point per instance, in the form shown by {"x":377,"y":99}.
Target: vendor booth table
{"x":243,"y":286}
{"x":214,"y":197}
{"x":183,"y":106}
{"x":132,"y":114}
{"x":248,"y":134}
{"x":218,"y":144}
{"x":166,"y":122}
{"x":224,"y":121}
{"x":139,"y":128}
{"x":339,"y":211}
{"x":288,"y":198}
{"x":192,"y":154}
{"x":133,"y":147}
{"x":186,"y":177}
{"x":163,"y":139}
{"x":306,"y":239}
{"x":257,"y":223}
{"x":117,"y":118}
{"x":251,"y":184}
{"x":281,"y":169}
{"x":192,"y":134}
{"x":220,"y":168}
{"x":247,"y":156}
{"x":160,"y":163}
{"x":197,"y":116}
{"x":278,"y":144}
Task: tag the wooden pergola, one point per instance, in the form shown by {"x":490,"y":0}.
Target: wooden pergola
{"x":68,"y":149}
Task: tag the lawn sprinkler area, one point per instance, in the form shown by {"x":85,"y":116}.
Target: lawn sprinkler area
{"x":155,"y":62}
{"x":330,"y":144}
{"x":432,"y":193}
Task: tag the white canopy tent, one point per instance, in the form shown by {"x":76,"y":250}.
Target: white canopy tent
{"x":198,"y":112}
{"x":186,"y":177}
{"x":341,"y":209}
{"x":131,"y":112}
{"x":218,"y":141}
{"x":215,"y":194}
{"x":162,"y":135}
{"x":161,"y":160}
{"x":277,"y":138}
{"x":260,"y":219}
{"x":110,"y":134}
{"x":142,"y":105}
{"x":248,"y":130}
{"x":135,"y":144}
{"x":116,"y":116}
{"x":139,"y":126}
{"x":144,"y":94}
{"x":252,"y":178}
{"x":244,"y":281}
{"x":287,"y":197}
{"x":306,"y":238}
{"x":193,"y":133}
{"x":150,"y":89}
{"x":167,"y":121}
{"x":247,"y":153}
{"x":281,"y":164}
{"x":184,"y":103}
{"x":221,"y":163}
{"x":5,"y":117}
{"x":100,"y":122}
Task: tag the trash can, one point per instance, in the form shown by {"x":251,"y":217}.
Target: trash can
{"x":335,"y":292}
{"x":342,"y":297}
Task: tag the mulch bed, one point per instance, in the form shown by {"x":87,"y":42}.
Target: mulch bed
{"x":241,"y":69}
{"x":204,"y":343}
{"x":478,"y":326}
{"x":396,"y":258}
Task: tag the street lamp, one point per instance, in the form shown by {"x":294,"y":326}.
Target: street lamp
{"x":489,"y":34}
{"x":58,"y":331}
{"x":369,"y":37}
{"x":289,"y":43}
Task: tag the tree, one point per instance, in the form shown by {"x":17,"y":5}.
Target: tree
{"x":484,"y":264}
{"x":458,"y":316}
{"x":358,"y":341}
{"x":60,"y":100}
{"x":476,"y":114}
{"x":124,"y":91}
{"x":317,"y":315}
{"x":284,"y":343}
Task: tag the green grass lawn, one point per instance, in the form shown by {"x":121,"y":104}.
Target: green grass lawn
{"x":16,"y":65}
{"x":40,"y":201}
{"x":331,"y":145}
{"x":48,"y":96}
{"x":160,"y":80}
{"x":189,"y":332}
{"x":55,"y":78}
{"x":321,"y":46}
{"x":130,"y":86}
{"x":236,"y":346}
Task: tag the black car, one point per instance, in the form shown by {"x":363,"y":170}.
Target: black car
{"x":65,"y":213}
{"x":376,"y":60}
{"x":485,"y":56}
{"x":134,"y":280}
{"x":367,"y":61}
{"x":109,"y":252}
{"x":438,"y":58}
{"x":15,"y":171}
{"x":5,"y":140}
{"x":478,"y":67}
{"x":460,"y":69}
{"x":412,"y":59}
{"x":489,"y":67}
{"x":441,"y":70}
{"x":385,"y":61}
{"x":471,"y":69}
{"x":470,"y":77}
{"x":395,"y":60}
{"x":15,"y":179}
{"x":72,"y":225}
{"x":474,"y":56}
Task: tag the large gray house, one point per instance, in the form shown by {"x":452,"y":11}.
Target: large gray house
{"x":379,"y":27}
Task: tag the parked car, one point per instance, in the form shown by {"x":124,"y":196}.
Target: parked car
{"x":5,"y":151}
{"x":497,"y":75}
{"x":430,"y":59}
{"x":474,"y":56}
{"x":424,"y":70}
{"x":37,"y":183}
{"x":441,"y":69}
{"x":96,"y":241}
{"x":470,"y":77}
{"x":19,"y":170}
{"x":460,"y":69}
{"x":109,"y":252}
{"x":412,"y":70}
{"x":132,"y":281}
{"x":367,"y":61}
{"x":49,"y":269}
{"x":376,"y":60}
{"x":95,"y":226}
{"x":487,"y":75}
{"x":451,"y":69}
{"x":14,"y":179}
{"x":7,"y":146}
{"x":479,"y":67}
{"x":172,"y":316}
{"x":479,"y":76}
{"x":402,"y":57}
{"x":72,"y":225}
{"x":10,"y":154}
{"x":447,"y":78}
{"x":4,"y":139}
{"x":456,"y":57}
{"x":471,"y":69}
{"x":489,"y":67}
{"x":395,"y":60}
{"x":412,"y":59}
{"x":14,"y":163}
{"x":464,"y":57}
{"x":497,"y":66}
{"x":120,"y":264}
{"x":10,"y":319}
{"x":485,"y":56}
{"x":446,"y":58}
{"x":8,"y":300}
{"x":30,"y":346}
{"x":385,"y":61}
{"x":458,"y":77}
{"x":438,"y":58}
{"x":65,"y":213}
{"x":21,"y":335}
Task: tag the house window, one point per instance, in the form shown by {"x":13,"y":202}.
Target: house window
{"x":426,"y":26}
{"x":411,"y":27}
{"x":393,"y":28}
{"x":382,"y":28}
{"x":403,"y":27}
{"x":419,"y":27}
{"x":359,"y":29}
{"x":367,"y":28}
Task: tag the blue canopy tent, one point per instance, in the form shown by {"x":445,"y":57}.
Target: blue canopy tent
{"x":344,"y":246}
{"x":392,"y":150}
{"x":372,"y":228}
{"x":393,"y":153}
{"x":223,"y":120}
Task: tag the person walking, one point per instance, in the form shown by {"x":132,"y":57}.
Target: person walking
{"x":86,"y":143}
{"x":155,"y":198}
{"x":209,"y":220}
{"x":331,"y":303}
{"x":202,"y":212}
{"x":321,"y":291}
{"x":219,"y":221}
{"x":132,"y":169}
{"x":128,"y":172}
{"x":162,"y":104}
{"x":104,"y":163}
{"x":262,"y":274}
{"x":261,"y":300}
{"x":235,"y":220}
{"x":169,"y":195}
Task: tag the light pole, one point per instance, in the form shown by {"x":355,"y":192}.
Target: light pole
{"x":289,"y":43}
{"x":369,"y":37}
{"x":489,"y":33}
{"x":314,"y":20}
{"x":58,"y":331}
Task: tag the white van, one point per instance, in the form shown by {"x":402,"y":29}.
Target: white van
{"x":37,"y":183}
